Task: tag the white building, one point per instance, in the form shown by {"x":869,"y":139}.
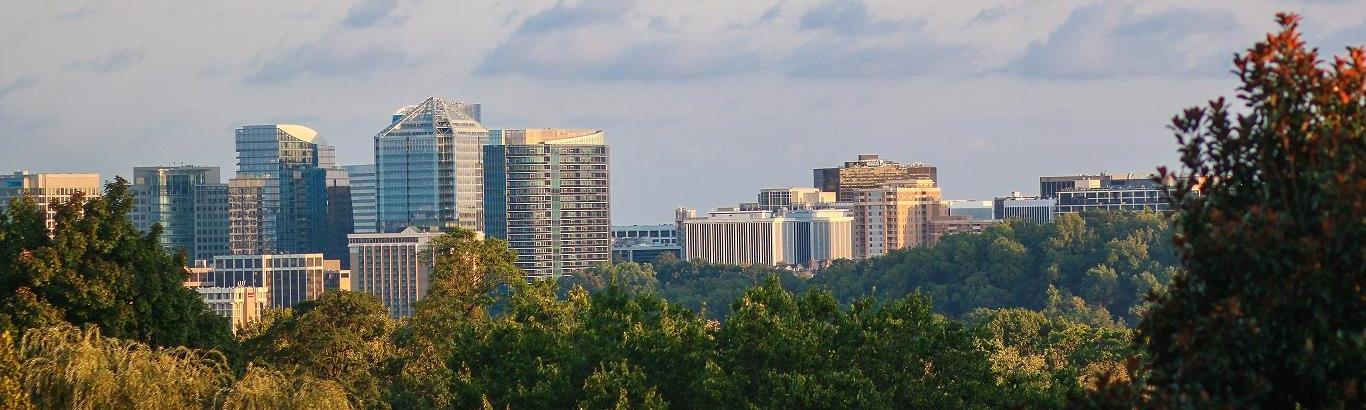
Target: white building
{"x":390,"y":266}
{"x":240,"y":304}
{"x":756,"y":237}
{"x":1019,"y":206}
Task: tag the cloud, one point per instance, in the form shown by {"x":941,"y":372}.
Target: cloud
{"x":77,"y":14}
{"x":368,"y":13}
{"x":17,"y":85}
{"x":585,"y":13}
{"x":325,"y":59}
{"x":1110,"y":39}
{"x":845,"y":17}
{"x":117,"y":60}
{"x":915,"y":56}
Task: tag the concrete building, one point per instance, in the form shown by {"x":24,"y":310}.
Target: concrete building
{"x":894,"y":216}
{"x":955,"y":224}
{"x":363,"y":212}
{"x":291,"y":278}
{"x":1029,"y":208}
{"x":47,"y":189}
{"x":1049,"y":186}
{"x":390,"y":266}
{"x":548,"y":194}
{"x":428,"y":167}
{"x":869,"y":171}
{"x":279,"y":201}
{"x":972,"y":209}
{"x":779,"y":199}
{"x":242,"y":305}
{"x":1132,"y":198}
{"x":644,"y":243}
{"x":806,"y":238}
{"x":190,"y":204}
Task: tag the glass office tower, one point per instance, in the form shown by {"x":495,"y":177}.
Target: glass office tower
{"x":428,"y":167}
{"x":186,"y":201}
{"x":278,"y":202}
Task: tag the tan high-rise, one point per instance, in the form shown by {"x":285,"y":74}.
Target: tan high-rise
{"x":894,"y":216}
{"x":47,"y":189}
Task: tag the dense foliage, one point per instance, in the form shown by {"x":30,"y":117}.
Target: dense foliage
{"x":1271,"y":228}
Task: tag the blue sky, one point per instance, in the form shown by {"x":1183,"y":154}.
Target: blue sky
{"x":704,"y":102}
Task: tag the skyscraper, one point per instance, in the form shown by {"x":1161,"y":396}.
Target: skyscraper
{"x":548,"y":196}
{"x":47,"y":189}
{"x":188,"y":202}
{"x":869,"y":171}
{"x":279,"y":202}
{"x":428,"y":167}
{"x":363,"y":197}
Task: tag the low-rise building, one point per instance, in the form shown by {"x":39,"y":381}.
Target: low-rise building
{"x":955,"y":224}
{"x":242,"y":305}
{"x":1019,"y":206}
{"x":644,"y":243}
{"x":756,"y":237}
{"x":291,"y":278}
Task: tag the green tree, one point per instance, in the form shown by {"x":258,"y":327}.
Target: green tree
{"x":1271,"y":222}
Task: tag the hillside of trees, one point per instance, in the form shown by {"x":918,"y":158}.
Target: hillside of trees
{"x":1251,"y":297}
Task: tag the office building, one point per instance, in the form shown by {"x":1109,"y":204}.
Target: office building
{"x":279,"y":201}
{"x":47,"y":189}
{"x":339,"y":215}
{"x":779,"y":199}
{"x":1049,"y":186}
{"x":363,"y":213}
{"x":894,"y":216}
{"x":242,"y":305}
{"x":972,"y":209}
{"x":190,"y":204}
{"x":955,"y":224}
{"x":806,"y":238}
{"x":391,"y":267}
{"x":1029,"y":208}
{"x":547,"y":194}
{"x":290,"y":278}
{"x":428,"y":167}
{"x":644,"y":243}
{"x":869,"y":171}
{"x":1133,"y":198}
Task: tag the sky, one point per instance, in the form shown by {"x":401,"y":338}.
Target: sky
{"x":703,"y":102}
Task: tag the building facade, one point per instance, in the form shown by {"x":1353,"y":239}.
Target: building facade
{"x":548,"y":195}
{"x":1019,"y":206}
{"x":1049,"y":186}
{"x":278,"y":202}
{"x":391,"y":267}
{"x":242,"y":305}
{"x":290,"y":278}
{"x":778,"y":199}
{"x":869,"y":171}
{"x":188,"y":202}
{"x":429,"y":167}
{"x":806,"y":238}
{"x":1133,"y":198}
{"x":972,"y":209}
{"x":955,"y":224}
{"x":644,"y":243}
{"x":894,"y":216}
{"x":47,"y":189}
{"x":363,"y":212}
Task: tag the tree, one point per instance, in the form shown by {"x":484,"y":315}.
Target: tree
{"x":1271,"y":226}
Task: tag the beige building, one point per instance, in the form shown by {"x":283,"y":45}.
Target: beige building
{"x":777,"y":199}
{"x":390,"y":266}
{"x":240,"y":304}
{"x":894,"y":216}
{"x":952,"y":224}
{"x":291,"y":278}
{"x":47,"y":189}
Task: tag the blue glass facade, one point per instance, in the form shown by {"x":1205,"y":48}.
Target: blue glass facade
{"x":278,"y":202}
{"x":429,"y":169}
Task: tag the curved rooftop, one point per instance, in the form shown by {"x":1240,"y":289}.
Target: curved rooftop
{"x":303,"y":133}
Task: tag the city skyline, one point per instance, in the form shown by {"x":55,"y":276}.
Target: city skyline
{"x":742,"y":83}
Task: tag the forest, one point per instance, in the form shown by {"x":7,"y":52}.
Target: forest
{"x":1248,"y":296}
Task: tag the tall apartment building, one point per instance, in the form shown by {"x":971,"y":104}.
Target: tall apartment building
{"x":894,"y":216}
{"x":547,"y":194}
{"x":242,"y":305}
{"x":644,"y":243}
{"x":363,"y":212}
{"x":390,"y":266}
{"x":290,"y":278}
{"x":429,"y":167}
{"x":47,"y":189}
{"x":1029,"y":208}
{"x":778,"y":199}
{"x":869,"y":171}
{"x":190,"y":204}
{"x":757,"y":237}
{"x":279,"y":201}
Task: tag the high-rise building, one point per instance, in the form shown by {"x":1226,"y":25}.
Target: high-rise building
{"x":894,"y":216}
{"x":363,"y":213}
{"x":171,"y":196}
{"x":242,"y":305}
{"x":429,"y":167}
{"x":47,"y":189}
{"x":547,"y":194}
{"x":279,"y":201}
{"x":390,"y":266}
{"x":778,"y":199}
{"x":644,"y":243}
{"x":869,"y":171}
{"x":290,"y":278}
{"x":807,"y":238}
{"x":1029,"y":208}
{"x":339,"y":215}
